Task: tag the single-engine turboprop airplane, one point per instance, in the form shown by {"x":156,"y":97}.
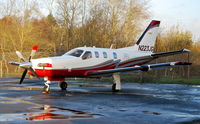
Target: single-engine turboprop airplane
{"x":98,"y":62}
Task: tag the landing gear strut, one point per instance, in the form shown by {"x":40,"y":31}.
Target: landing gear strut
{"x":46,"y":88}
{"x":116,"y":82}
{"x":63,"y":85}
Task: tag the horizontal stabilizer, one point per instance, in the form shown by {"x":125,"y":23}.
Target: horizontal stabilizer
{"x":156,"y":55}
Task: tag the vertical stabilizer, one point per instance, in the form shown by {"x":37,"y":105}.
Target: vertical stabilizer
{"x":147,"y":40}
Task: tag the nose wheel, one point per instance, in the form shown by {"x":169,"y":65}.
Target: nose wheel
{"x":63,"y":85}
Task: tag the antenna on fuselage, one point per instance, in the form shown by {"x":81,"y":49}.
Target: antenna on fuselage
{"x":111,"y":46}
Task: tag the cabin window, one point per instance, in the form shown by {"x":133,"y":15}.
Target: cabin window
{"x":87,"y":55}
{"x":96,"y":54}
{"x":75,"y":52}
{"x":105,"y":55}
{"x":114,"y":55}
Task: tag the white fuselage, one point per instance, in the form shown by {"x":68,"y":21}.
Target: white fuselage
{"x":71,"y":62}
{"x":80,"y":61}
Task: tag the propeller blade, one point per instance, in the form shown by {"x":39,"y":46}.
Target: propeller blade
{"x":23,"y":76}
{"x":14,"y":63}
{"x":34,"y":73}
{"x":34,"y":49}
{"x":20,"y":56}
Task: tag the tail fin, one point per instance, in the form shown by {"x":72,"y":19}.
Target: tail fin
{"x":147,"y":40}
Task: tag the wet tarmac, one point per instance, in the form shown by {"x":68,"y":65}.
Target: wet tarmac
{"x":93,"y":102}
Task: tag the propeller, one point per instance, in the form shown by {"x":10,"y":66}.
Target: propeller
{"x":27,"y":65}
{"x":20,"y":56}
{"x":23,"y":76}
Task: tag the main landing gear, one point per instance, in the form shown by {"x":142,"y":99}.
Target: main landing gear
{"x":63,"y":85}
{"x":116,"y":82}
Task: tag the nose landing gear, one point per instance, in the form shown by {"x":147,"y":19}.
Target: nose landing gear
{"x":63,"y":85}
{"x":46,"y":88}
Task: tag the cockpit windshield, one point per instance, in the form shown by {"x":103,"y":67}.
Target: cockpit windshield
{"x":75,"y":52}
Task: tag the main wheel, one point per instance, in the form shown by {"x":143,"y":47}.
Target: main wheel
{"x":63,"y":85}
{"x":114,"y":88}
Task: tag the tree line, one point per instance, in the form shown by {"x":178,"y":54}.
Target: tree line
{"x":75,"y":23}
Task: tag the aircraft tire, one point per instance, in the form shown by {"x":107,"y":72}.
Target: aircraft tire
{"x":63,"y":85}
{"x":114,"y":88}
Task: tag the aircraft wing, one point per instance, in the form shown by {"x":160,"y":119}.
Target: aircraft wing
{"x":142,"y":68}
{"x":156,"y":55}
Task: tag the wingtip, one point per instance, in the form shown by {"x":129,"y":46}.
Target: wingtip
{"x":183,"y":63}
{"x":186,"y":50}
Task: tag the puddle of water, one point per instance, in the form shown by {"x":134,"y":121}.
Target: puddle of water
{"x":47,"y":112}
{"x":149,"y":112}
{"x":122,"y":110}
{"x":52,"y":113}
{"x":42,"y":112}
{"x":11,"y":117}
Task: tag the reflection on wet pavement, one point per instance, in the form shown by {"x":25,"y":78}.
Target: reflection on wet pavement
{"x":46,"y":112}
{"x":52,"y":112}
{"x":149,"y":112}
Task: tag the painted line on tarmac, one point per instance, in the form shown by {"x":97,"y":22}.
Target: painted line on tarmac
{"x":20,"y":101}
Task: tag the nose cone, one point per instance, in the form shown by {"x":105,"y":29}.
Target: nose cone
{"x":25,"y":65}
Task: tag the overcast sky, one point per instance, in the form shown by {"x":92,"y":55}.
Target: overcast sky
{"x":186,"y":13}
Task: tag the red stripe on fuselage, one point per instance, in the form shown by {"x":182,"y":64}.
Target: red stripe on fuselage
{"x":142,"y":63}
{"x":127,"y":62}
{"x":61,"y":73}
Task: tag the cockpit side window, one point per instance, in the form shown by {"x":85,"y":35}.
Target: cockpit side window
{"x":87,"y":55}
{"x":76,"y":53}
